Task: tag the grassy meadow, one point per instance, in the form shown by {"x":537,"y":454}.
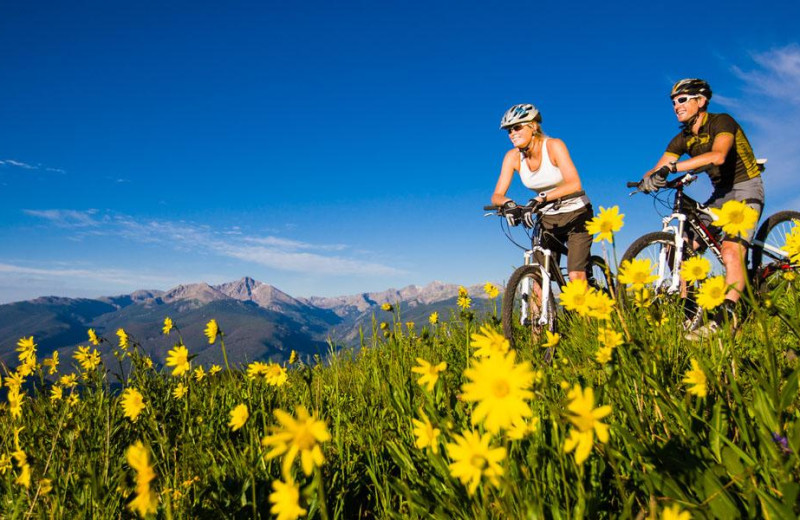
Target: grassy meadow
{"x":425,"y":420}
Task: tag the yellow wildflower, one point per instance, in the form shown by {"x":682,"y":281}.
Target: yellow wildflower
{"x":643,"y":298}
{"x":51,"y":363}
{"x":387,"y":307}
{"x":56,"y":393}
{"x":575,"y":296}
{"x":599,"y":305}
{"x":426,"y":435}
{"x":491,"y":290}
{"x":792,"y":246}
{"x":500,"y":387}
{"x":73,"y":399}
{"x":464,"y":302}
{"x":473,"y":458}
{"x":68,"y":381}
{"x":637,"y":273}
{"x":697,"y":378}
{"x":605,"y":224}
{"x":215,"y":369}
{"x":199,"y":373}
{"x":146,"y":500}
{"x":433,"y":319}
{"x":93,"y":339}
{"x":735,"y":217}
{"x":285,"y":499}
{"x":552,"y":339}
{"x":167,"y":328}
{"x":132,"y":403}
{"x":489,"y":342}
{"x":5,"y":464}
{"x":674,"y":512}
{"x":180,"y":391}
{"x":429,"y":373}
{"x":609,"y":337}
{"x":293,"y":357}
{"x":24,"y":477}
{"x":603,"y":355}
{"x":26,"y":348}
{"x":585,"y":419}
{"x":297,"y":436}
{"x":239,"y":416}
{"x":695,"y":269}
{"x":212,"y":331}
{"x":178,"y":357}
{"x":521,"y":429}
{"x":123,"y":338}
{"x":15,"y":402}
{"x":712,"y":293}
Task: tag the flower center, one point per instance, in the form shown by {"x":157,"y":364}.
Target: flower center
{"x":501,"y":388}
{"x":478,"y":461}
{"x":305,"y":439}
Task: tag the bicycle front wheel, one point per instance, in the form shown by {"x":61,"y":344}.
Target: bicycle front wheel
{"x":659,"y":249}
{"x":522,"y":308}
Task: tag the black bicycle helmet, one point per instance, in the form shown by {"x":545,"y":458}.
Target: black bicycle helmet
{"x":524,"y":113}
{"x":691,"y":87}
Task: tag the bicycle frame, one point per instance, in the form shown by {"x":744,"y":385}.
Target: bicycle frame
{"x":678,"y":231}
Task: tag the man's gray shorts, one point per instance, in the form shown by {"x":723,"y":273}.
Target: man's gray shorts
{"x":750,"y":192}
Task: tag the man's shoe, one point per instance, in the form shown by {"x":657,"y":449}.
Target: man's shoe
{"x":704,"y":331}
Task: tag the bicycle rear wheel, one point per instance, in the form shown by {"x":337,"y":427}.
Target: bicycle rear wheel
{"x":522,"y":309}
{"x":766,"y":256}
{"x":599,"y":276}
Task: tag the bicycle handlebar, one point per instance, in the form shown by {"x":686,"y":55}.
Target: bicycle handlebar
{"x":683,"y":180}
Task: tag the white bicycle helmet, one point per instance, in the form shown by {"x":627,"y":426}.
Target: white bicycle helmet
{"x":524,"y":113}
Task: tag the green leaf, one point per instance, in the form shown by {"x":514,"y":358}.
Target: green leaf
{"x":717,"y":422}
{"x":721,"y":504}
{"x":763,"y":410}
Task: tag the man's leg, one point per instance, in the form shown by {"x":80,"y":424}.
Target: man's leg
{"x":735,"y":273}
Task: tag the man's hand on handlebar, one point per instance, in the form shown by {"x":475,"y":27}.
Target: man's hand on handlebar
{"x":656,"y":180}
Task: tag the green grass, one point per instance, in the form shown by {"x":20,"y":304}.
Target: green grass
{"x":717,"y":457}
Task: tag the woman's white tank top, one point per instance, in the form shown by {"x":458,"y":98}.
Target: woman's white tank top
{"x":545,"y":179}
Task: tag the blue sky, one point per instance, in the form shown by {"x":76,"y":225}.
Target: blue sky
{"x":335,"y":148}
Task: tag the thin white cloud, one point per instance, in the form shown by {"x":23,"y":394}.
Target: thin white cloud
{"x":287,"y":244}
{"x":66,"y":218}
{"x":106,"y":276}
{"x":769,"y":109}
{"x":25,"y":166}
{"x":270,"y":251}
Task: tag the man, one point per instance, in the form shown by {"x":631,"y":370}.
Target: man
{"x":715,"y":143}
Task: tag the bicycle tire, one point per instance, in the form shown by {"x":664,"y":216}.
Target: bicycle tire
{"x":641,"y":248}
{"x":772,"y":232}
{"x":512,"y":297}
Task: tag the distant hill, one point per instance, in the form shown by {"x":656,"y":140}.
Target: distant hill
{"x":260,"y":321}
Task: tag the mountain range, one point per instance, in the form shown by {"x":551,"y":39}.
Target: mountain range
{"x":260,"y":322}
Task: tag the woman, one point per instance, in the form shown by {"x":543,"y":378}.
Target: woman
{"x":544,"y":166}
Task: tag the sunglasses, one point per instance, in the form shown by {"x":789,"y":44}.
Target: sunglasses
{"x":516,"y":128}
{"x":682,"y":99}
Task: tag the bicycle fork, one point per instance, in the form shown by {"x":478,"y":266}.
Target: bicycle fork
{"x":528,"y":288}
{"x":677,"y":260}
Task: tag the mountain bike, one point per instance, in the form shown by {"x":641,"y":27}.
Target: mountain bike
{"x":529,"y":300}
{"x":669,"y":248}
